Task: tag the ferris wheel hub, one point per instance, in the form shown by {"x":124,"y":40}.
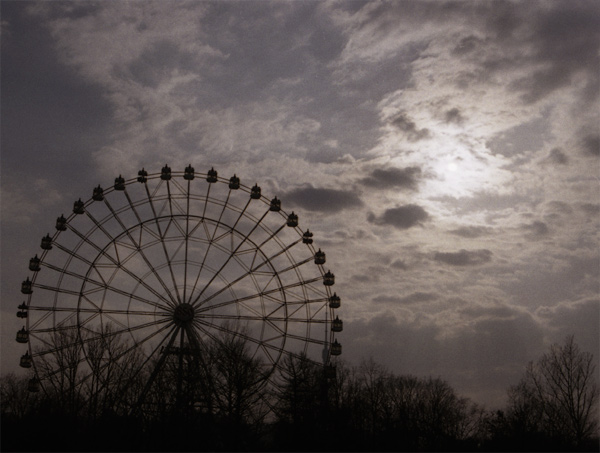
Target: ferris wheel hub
{"x":183,"y":314}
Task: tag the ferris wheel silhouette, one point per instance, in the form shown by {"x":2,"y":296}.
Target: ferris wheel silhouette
{"x":169,"y":262}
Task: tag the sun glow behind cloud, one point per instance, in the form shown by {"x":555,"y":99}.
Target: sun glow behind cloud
{"x":458,"y":161}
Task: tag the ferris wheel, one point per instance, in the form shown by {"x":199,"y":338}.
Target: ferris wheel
{"x":167,"y":263}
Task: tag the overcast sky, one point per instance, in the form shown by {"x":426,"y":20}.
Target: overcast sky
{"x":445,"y":154}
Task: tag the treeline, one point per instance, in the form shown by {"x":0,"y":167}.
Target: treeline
{"x":220,"y":406}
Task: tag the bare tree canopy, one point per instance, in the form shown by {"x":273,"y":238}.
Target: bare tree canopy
{"x":558,"y":394}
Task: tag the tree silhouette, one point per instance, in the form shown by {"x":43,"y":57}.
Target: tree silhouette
{"x":237,"y":379}
{"x":558,"y":395}
{"x":210,"y":396}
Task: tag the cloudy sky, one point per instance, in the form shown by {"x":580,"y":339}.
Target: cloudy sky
{"x":446,"y":154}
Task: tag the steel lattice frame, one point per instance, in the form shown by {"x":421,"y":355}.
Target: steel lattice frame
{"x":172,"y":260}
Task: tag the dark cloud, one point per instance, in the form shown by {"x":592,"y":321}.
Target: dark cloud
{"x":403,"y":178}
{"x":540,"y":84}
{"x":471,"y":231}
{"x":464,"y":257}
{"x":557,"y":156}
{"x":590,"y":208}
{"x":503,"y":20}
{"x":557,"y":208}
{"x":410,"y":299}
{"x":402,"y":217}
{"x":52,"y":120}
{"x":466,"y":45}
{"x":408,"y":126}
{"x":555,"y":53}
{"x":591,"y":144}
{"x":562,"y":53}
{"x":323,"y":200}
{"x":528,"y":136}
{"x":399,"y":264}
{"x":536,"y":228}
{"x":454,"y":116}
{"x":365,"y":278}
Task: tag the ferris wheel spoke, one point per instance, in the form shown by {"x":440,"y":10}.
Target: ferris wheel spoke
{"x":199,"y":223}
{"x":70,"y":253}
{"x":117,"y":263}
{"x":156,"y":189}
{"x":208,"y":327}
{"x":187,"y":237}
{"x":256,"y":317}
{"x":178,"y":249}
{"x":245,"y":238}
{"x":139,"y":248}
{"x":58,"y":290}
{"x":70,"y":367}
{"x":175,"y":207}
{"x":266,"y":346}
{"x":65,"y":271}
{"x":270,"y":320}
{"x":204,"y":308}
{"x":103,"y":311}
{"x":228,"y":231}
{"x":249,"y":272}
{"x":267,"y":317}
{"x":141,"y":282}
{"x":161,"y":360}
{"x":132,"y":206}
{"x":156,"y":349}
{"x":145,"y":325}
{"x":54,"y":349}
{"x":84,"y":239}
{"x":206,"y":331}
{"x":193,"y":335}
{"x":120,"y":265}
{"x":206,"y":200}
{"x":160,"y":232}
{"x":228,"y":286}
{"x":242,"y":212}
{"x":197,"y":344}
{"x":41,"y":335}
{"x":272,"y":235}
{"x":99,"y":225}
{"x":268,"y":353}
{"x":169,"y":198}
{"x":221,"y":214}
{"x":100,"y":286}
{"x":295,"y":265}
{"x":127,"y":294}
{"x":47,"y":314}
{"x":118,"y":357}
{"x":210,"y":237}
{"x":138,"y":343}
